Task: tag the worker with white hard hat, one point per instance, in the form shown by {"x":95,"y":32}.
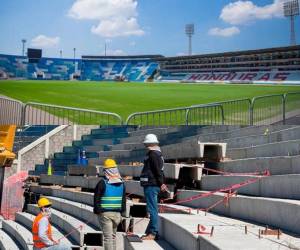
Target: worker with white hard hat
{"x":152,"y":179}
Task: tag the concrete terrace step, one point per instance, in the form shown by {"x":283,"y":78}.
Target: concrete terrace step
{"x":68,"y":223}
{"x":277,"y":165}
{"x":276,"y":186}
{"x":27,"y":219}
{"x":236,"y":132}
{"x":285,"y":148}
{"x":180,"y":230}
{"x":279,"y":213}
{"x":265,"y":138}
{"x":6,"y":242}
{"x":22,"y":235}
{"x":147,"y":245}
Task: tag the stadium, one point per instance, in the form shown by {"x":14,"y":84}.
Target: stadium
{"x":223,"y":119}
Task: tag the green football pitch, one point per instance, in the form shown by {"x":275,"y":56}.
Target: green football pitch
{"x":127,"y":98}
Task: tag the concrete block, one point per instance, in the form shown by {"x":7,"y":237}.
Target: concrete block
{"x":52,"y":179}
{"x":147,"y":244}
{"x":286,"y":148}
{"x":282,"y":214}
{"x":6,"y":242}
{"x":81,"y":232}
{"x":281,"y":186}
{"x":80,"y":170}
{"x":128,"y":146}
{"x":115,"y":154}
{"x":27,"y":219}
{"x":20,"y":233}
{"x":277,"y":165}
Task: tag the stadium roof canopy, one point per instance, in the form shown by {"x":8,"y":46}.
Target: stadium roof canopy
{"x":235,"y":53}
{"x":136,"y":57}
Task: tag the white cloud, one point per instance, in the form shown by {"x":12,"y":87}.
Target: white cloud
{"x":227,"y":32}
{"x":181,"y":54}
{"x":118,"y":27}
{"x":115,"y":17}
{"x":42,"y":41}
{"x":132,"y":43}
{"x":241,"y":12}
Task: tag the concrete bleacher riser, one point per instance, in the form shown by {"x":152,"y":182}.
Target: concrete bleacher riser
{"x":6,"y":242}
{"x":27,"y":219}
{"x":267,"y":137}
{"x":286,"y":148}
{"x":276,"y":165}
{"x":20,"y":233}
{"x":277,"y":186}
{"x":69,"y":223}
{"x":181,"y":230}
{"x":283,"y":214}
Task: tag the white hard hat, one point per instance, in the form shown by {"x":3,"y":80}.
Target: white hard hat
{"x":150,"y":139}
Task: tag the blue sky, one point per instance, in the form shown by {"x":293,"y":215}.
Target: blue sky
{"x":130,"y":27}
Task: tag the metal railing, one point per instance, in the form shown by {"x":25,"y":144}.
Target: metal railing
{"x":267,"y":109}
{"x":262,"y":110}
{"x":45,"y":114}
{"x":10,"y":111}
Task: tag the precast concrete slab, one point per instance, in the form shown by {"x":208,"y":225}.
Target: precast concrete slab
{"x":71,"y":181}
{"x":134,"y":187}
{"x":22,"y":235}
{"x":83,"y":170}
{"x":27,"y":219}
{"x":277,"y":165}
{"x":127,"y":146}
{"x":194,"y":149}
{"x":6,"y":242}
{"x":278,"y":213}
{"x":147,"y":245}
{"x":265,"y":138}
{"x":276,"y":186}
{"x":80,"y":232}
{"x":115,"y":153}
{"x":181,"y":231}
{"x":285,"y":148}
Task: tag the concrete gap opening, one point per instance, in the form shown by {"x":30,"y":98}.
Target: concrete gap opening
{"x":212,"y":153}
{"x":93,"y":239}
{"x":138,"y":210}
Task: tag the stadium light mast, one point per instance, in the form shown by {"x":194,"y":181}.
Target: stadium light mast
{"x":60,"y":53}
{"x":190,"y":31}
{"x":23,"y":46}
{"x":74,"y":50}
{"x":291,"y":10}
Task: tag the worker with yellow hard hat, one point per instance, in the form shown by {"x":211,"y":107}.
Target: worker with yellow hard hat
{"x":42,"y":230}
{"x":110,"y":202}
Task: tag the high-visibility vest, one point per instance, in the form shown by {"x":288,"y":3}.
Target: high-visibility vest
{"x":112,"y":198}
{"x":35,"y":232}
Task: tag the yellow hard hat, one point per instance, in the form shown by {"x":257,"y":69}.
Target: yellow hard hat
{"x":43,"y":202}
{"x":110,"y":163}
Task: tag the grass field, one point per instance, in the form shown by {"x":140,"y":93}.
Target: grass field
{"x":127,"y":98}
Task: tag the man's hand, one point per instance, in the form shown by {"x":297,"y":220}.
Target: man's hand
{"x":164,"y":187}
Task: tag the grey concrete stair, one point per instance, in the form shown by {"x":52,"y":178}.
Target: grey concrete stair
{"x":284,"y":148}
{"x":180,"y":230}
{"x":279,"y":213}
{"x":27,"y":219}
{"x":6,"y":242}
{"x":277,"y":165}
{"x":277,"y":186}
{"x":80,"y":231}
{"x":147,"y":244}
{"x":21,"y":234}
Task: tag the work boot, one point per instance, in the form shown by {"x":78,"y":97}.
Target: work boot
{"x":149,"y":237}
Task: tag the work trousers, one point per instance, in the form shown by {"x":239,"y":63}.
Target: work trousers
{"x":151,"y":195}
{"x":109,"y":222}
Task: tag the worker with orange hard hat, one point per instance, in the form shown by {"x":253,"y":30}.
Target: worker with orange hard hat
{"x":42,"y":230}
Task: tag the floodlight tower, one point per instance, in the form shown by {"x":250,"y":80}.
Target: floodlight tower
{"x":291,"y":10}
{"x":23,"y":46}
{"x":190,"y":31}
